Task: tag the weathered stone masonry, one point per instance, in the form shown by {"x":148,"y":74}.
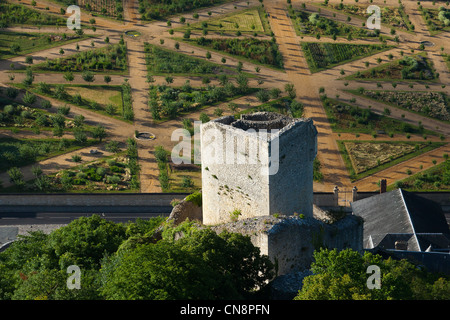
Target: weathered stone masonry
{"x":261,"y":164}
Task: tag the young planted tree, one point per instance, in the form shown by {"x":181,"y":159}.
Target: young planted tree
{"x":29,"y":98}
{"x":88,"y":76}
{"x":99,"y":133}
{"x":290,"y":90}
{"x":16,"y":177}
{"x":68,"y":76}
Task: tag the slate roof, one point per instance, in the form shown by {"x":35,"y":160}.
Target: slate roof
{"x":399,"y":215}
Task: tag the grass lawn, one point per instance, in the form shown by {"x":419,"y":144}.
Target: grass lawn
{"x":179,"y":178}
{"x":102,"y":94}
{"x":322,"y":56}
{"x":28,"y":42}
{"x":364,"y":158}
{"x":104,"y":99}
{"x":22,"y":152}
{"x":247,"y":21}
{"x":184,"y":178}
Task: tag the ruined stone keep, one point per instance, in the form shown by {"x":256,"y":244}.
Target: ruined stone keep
{"x":258,"y":165}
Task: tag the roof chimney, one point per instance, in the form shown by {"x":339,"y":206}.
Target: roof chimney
{"x":401,"y":245}
{"x":383,"y":185}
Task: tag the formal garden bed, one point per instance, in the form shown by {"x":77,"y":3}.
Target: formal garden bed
{"x":21,"y":152}
{"x":116,"y":173}
{"x":113,"y":101}
{"x":17,"y":118}
{"x":364,"y":158}
{"x":20,"y":43}
{"x":437,"y":20}
{"x":345,"y":118}
{"x":104,"y":8}
{"x":106,"y":175}
{"x":285,"y":105}
{"x":254,"y":50}
{"x":434,"y":179}
{"x":252,"y":20}
{"x":393,"y":17}
{"x":162,"y":61}
{"x":434,"y":105}
{"x":313,"y":24}
{"x":157,"y":10}
{"x":166,"y":102}
{"x":183,"y":178}
{"x":416,"y":67}
{"x":322,"y":56}
{"x":111,"y":59}
{"x":18,"y":14}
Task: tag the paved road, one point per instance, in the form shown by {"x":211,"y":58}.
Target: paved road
{"x":37,"y":215}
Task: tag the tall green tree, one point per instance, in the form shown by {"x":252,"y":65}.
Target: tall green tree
{"x":84,"y":241}
{"x":201,"y":265}
{"x":342,"y":275}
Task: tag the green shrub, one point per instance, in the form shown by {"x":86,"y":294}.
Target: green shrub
{"x":81,"y":175}
{"x":101,"y":171}
{"x":113,"y":179}
{"x":116,"y":169}
{"x":161,"y":154}
{"x":234,"y":215}
{"x":195,"y":198}
{"x":79,"y":182}
{"x":76,"y":158}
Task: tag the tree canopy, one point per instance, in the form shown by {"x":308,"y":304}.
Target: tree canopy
{"x":342,"y":275}
{"x":126,"y":261}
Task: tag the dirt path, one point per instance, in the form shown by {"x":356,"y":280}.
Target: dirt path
{"x":143,"y":121}
{"x":333,"y":168}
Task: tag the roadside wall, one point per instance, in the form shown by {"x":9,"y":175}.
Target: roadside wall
{"x":92,"y":199}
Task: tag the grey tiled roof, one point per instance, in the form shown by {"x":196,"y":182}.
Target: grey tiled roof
{"x":402,"y":216}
